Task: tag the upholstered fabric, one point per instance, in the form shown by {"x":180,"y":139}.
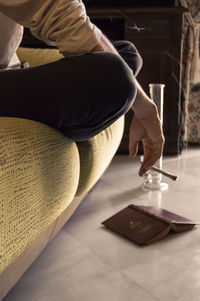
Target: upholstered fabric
{"x":96,"y":154}
{"x":39,"y":172}
{"x":16,"y":269}
{"x":37,"y":56}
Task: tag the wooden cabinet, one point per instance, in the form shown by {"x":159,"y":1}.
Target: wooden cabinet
{"x":157,"y":34}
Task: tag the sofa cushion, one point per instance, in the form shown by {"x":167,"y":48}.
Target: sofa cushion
{"x":97,"y":153}
{"x":39,"y":172}
{"x":38,"y":56}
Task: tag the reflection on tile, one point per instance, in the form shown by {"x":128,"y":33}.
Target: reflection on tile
{"x":124,"y":175}
{"x":99,"y":197}
{"x":180,"y":203}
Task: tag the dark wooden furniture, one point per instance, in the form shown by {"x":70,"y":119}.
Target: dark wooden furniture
{"x":157,"y":34}
{"x":130,"y":2}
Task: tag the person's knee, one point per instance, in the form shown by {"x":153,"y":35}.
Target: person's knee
{"x":136,"y":57}
{"x":111,"y":80}
{"x":123,"y":81}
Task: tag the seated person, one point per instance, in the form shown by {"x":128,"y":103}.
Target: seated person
{"x":86,"y":91}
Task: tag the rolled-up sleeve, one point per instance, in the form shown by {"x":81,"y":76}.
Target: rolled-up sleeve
{"x":63,"y":23}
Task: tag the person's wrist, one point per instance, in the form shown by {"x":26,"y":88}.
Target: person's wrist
{"x":146,"y":109}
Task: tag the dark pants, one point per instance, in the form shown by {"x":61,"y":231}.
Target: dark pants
{"x":79,"y":96}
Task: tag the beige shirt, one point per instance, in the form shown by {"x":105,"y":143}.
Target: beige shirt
{"x":63,"y":23}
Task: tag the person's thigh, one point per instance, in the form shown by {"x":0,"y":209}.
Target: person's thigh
{"x":79,"y":95}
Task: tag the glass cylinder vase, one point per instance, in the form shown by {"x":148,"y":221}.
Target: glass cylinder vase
{"x":152,"y":180}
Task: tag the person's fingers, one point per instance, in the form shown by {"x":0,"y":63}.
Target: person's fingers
{"x":152,"y":152}
{"x":142,"y":171}
{"x":151,"y":156}
{"x":136,"y":134}
{"x":149,"y":130}
{"x":133,"y":148}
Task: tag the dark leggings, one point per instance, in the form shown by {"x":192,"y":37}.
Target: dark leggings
{"x":79,"y":96}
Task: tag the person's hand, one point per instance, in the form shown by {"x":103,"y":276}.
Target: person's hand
{"x":149,"y":131}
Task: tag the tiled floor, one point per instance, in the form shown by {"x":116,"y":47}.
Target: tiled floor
{"x":89,"y":263}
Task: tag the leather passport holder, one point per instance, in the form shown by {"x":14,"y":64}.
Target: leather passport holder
{"x":146,"y":224}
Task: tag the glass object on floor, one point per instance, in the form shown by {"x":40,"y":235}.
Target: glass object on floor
{"x":152,"y":180}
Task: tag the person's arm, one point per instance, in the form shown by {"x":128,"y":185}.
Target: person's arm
{"x":63,"y":24}
{"x":146,"y":125}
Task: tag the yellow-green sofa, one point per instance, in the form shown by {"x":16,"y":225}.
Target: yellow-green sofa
{"x":43,"y":178}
